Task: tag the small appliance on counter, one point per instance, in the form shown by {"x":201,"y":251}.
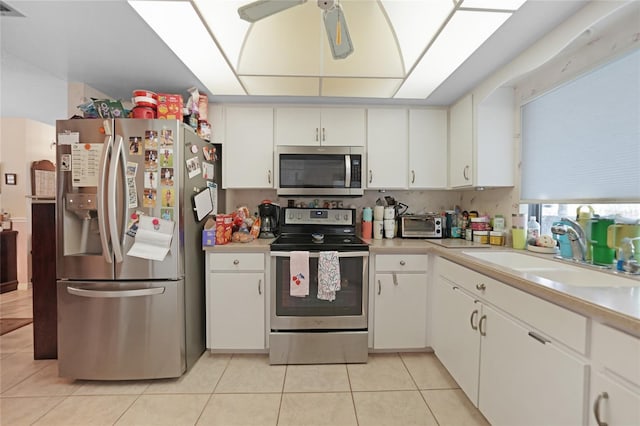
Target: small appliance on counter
{"x":427,"y":225}
{"x":269,"y":219}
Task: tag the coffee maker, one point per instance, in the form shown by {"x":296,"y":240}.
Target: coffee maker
{"x":269,"y":217}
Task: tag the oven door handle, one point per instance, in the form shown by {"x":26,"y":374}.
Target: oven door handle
{"x":341,"y":254}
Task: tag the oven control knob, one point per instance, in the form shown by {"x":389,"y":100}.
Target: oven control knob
{"x":337,"y":216}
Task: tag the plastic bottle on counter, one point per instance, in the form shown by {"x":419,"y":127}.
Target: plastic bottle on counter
{"x":533,"y":229}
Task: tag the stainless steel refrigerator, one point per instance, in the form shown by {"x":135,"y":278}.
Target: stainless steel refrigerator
{"x":130,"y":264}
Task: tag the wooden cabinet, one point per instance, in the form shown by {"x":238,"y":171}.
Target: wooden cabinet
{"x":427,"y":149}
{"x":615,"y":377}
{"x":513,"y":372}
{"x":481,"y":141}
{"x":320,"y":126}
{"x":8,"y":261}
{"x":400,"y":302}
{"x":387,"y":148}
{"x":248,"y":148}
{"x":235,"y":296}
{"x":45,"y":295}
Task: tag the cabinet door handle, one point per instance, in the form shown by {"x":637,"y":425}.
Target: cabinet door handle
{"x":465,"y":172}
{"x":379,"y":288}
{"x":323,"y":135}
{"x":413,"y":176}
{"x":395,"y":279}
{"x":483,"y":331}
{"x":236,"y":262}
{"x":596,"y":408}
{"x":474,"y":314}
{"x":260,"y":287}
{"x":481,"y":287}
{"x":370,"y":176}
{"x":269,"y":176}
{"x":317,"y":134}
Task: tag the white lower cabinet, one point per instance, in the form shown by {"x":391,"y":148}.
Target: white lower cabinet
{"x":615,"y":378}
{"x":235,"y":296}
{"x":400,"y":302}
{"x":524,"y":378}
{"x":455,"y":334}
{"x":513,"y":373}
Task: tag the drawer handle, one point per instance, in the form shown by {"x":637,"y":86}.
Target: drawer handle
{"x":539,"y":338}
{"x":474,"y":314}
{"x":269,"y":177}
{"x":402,"y":263}
{"x":596,"y":408}
{"x":481,"y":287}
{"x":370,"y":176}
{"x":413,"y":176}
{"x":260,"y":287}
{"x":483,"y":331}
{"x":379,"y":288}
{"x":317,"y":131}
{"x":236,"y":262}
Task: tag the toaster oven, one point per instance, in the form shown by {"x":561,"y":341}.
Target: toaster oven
{"x":420,"y":226}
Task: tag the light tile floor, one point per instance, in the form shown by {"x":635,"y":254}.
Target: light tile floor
{"x":395,"y":389}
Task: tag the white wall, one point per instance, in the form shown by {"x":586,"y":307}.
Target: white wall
{"x":30,"y":92}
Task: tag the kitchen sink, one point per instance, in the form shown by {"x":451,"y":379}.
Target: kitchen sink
{"x":554,"y":270}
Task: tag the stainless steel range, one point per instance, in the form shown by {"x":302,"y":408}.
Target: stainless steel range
{"x":316,"y":328}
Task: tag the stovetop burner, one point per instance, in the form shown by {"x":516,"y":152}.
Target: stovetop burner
{"x":308,"y":229}
{"x":305,"y":242}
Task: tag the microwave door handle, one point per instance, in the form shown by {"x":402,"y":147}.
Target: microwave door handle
{"x":118,"y":159}
{"x":347,"y":174}
{"x":102,"y":185}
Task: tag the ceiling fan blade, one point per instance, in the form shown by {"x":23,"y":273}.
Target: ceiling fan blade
{"x":260,"y":9}
{"x":338,"y":33}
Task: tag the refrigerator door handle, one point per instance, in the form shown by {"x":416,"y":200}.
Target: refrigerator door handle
{"x":113,"y":294}
{"x":102,"y":216}
{"x":117,"y":156}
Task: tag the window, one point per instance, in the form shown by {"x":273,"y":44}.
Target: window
{"x":547,"y":213}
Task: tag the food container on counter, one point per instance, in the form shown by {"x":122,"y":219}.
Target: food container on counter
{"x":496,"y":238}
{"x":481,"y":237}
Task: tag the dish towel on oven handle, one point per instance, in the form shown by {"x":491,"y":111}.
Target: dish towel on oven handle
{"x":299,"y":273}
{"x":328,"y":275}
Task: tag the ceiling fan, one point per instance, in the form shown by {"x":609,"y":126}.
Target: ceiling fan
{"x":334,"y":20}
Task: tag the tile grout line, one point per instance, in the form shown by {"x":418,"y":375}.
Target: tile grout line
{"x":419,"y":390}
{"x":353,"y":400}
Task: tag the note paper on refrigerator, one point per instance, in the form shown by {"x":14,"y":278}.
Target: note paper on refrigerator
{"x":153,"y":238}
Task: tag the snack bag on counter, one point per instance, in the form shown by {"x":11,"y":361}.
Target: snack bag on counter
{"x":241,"y":237}
{"x":224,"y":225}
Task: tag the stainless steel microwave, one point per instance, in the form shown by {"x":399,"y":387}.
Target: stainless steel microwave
{"x":420,"y":226}
{"x":319,"y":170}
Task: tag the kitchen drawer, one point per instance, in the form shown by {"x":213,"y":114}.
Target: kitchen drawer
{"x":616,"y":351}
{"x":401,"y":262}
{"x":236,"y":262}
{"x":555,"y":321}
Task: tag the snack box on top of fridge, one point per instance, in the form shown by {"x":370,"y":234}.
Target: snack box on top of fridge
{"x":169,"y":106}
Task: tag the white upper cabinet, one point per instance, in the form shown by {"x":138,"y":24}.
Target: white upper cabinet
{"x":481,"y":141}
{"x":427,"y":149}
{"x":320,"y":126}
{"x":248,"y":148}
{"x":387,"y":148}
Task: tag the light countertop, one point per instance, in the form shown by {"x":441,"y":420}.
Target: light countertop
{"x":618,"y":307}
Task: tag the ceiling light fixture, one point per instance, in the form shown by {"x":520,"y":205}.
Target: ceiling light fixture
{"x":196,"y":48}
{"x":461,"y":36}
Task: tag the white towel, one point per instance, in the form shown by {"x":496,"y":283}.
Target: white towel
{"x":299,"y":272}
{"x":328,"y":275}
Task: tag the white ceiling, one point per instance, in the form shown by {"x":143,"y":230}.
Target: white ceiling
{"x":106,"y":45}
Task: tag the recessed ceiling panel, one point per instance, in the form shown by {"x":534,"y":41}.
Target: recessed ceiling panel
{"x":281,"y":86}
{"x":375,"y":51}
{"x":360,"y":87}
{"x":286,"y":43}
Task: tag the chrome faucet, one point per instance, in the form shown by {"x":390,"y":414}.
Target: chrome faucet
{"x":576,"y":236}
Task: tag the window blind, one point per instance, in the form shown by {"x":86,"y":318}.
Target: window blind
{"x":581,"y":141}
